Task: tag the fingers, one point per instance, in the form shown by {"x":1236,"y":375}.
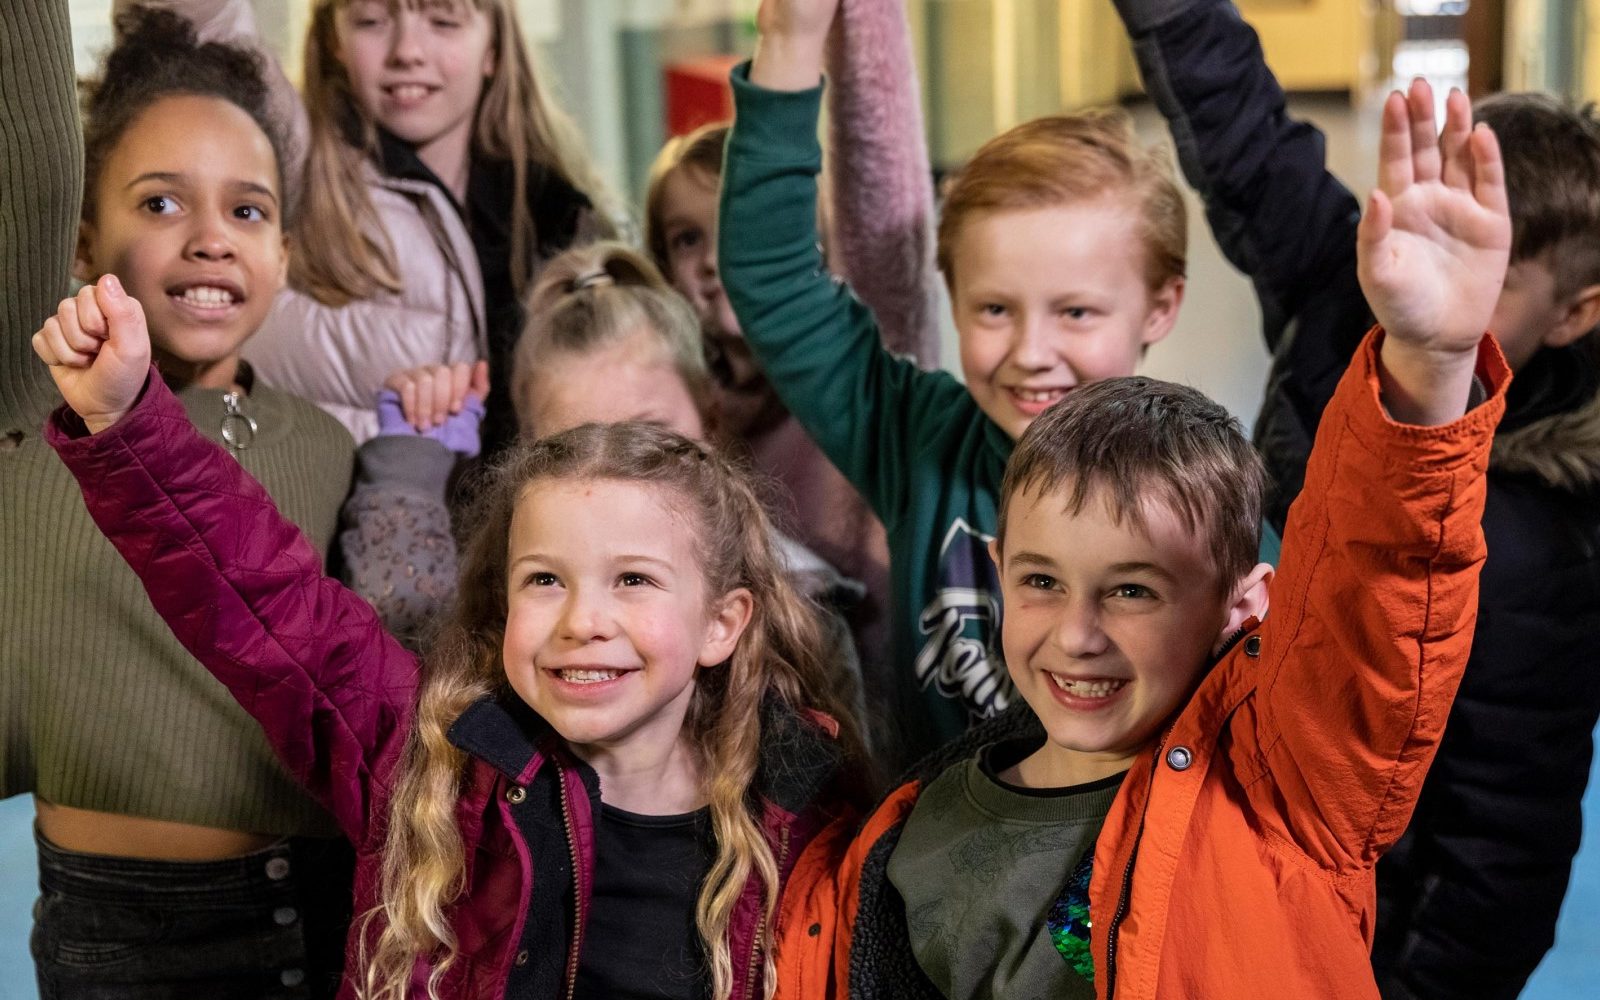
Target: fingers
{"x":1425,"y":163}
{"x":1394,"y":146}
{"x":430,"y":394}
{"x":91,"y":321}
{"x":71,"y":344}
{"x":1376,"y":222}
{"x":50,"y":343}
{"x":479,"y":384}
{"x":460,"y":380}
{"x":1453,"y":141}
{"x":1489,"y":173}
{"x":124,"y":315}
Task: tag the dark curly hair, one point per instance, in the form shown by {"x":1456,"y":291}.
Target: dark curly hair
{"x":157,"y":55}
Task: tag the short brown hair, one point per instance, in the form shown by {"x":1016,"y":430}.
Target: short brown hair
{"x":1064,"y":159}
{"x":1136,"y":439}
{"x":700,"y":151}
{"x":1552,"y":162}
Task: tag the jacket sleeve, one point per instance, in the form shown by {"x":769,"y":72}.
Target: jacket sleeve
{"x":234,"y":22}
{"x":1276,"y":211}
{"x":818,"y":344}
{"x":245,"y":594}
{"x":880,"y":223}
{"x":41,"y":185}
{"x":1372,"y":616}
{"x":399,"y":552}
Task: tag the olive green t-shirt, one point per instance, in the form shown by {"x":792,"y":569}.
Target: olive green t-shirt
{"x":979,"y":865}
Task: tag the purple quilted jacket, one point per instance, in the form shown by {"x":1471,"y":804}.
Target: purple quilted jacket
{"x":335,"y":694}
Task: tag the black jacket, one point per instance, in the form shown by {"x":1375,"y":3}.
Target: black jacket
{"x":1469,"y":898}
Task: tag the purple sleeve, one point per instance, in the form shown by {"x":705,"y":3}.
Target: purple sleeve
{"x":245,"y":593}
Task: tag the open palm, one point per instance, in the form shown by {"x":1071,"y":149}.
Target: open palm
{"x":1436,"y":237}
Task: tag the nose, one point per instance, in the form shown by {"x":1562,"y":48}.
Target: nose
{"x":1032,"y":346}
{"x":405,"y":39}
{"x":1079,"y":634}
{"x":210,"y":239}
{"x":586,"y":617}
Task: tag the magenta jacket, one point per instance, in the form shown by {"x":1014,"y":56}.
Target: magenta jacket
{"x":335,"y":694}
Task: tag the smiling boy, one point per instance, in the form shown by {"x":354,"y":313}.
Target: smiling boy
{"x":1197,"y":803}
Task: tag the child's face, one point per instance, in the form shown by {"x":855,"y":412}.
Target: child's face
{"x":1047,"y":299}
{"x":689,"y":228}
{"x":186,"y":214}
{"x":418,"y":73}
{"x":1528,"y":310}
{"x":631,"y":379}
{"x":1106,"y":627}
{"x":608,"y":618}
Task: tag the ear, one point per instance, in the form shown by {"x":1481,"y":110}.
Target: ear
{"x":1249,"y":601}
{"x":1580,"y":313}
{"x":728,"y":621}
{"x":1163,"y":312}
{"x":994,"y":552}
{"x":83,"y":259}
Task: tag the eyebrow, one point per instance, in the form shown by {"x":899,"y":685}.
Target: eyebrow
{"x":1031,"y":559}
{"x":169,"y":177}
{"x":625,"y":558}
{"x":1145,"y":567}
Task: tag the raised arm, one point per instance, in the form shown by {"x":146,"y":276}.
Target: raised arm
{"x":818,"y":344}
{"x":880,"y":186}
{"x":1373,"y":615}
{"x":234,"y":22}
{"x":1276,"y":211}
{"x":41,"y":188}
{"x":238,"y":584}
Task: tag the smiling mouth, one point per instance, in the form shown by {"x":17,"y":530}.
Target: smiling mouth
{"x":1038,"y":397}
{"x":206,"y":297}
{"x":588,"y":675}
{"x":408,"y":93}
{"x":1100,"y":687}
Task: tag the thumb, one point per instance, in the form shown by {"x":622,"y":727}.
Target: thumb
{"x":125,"y":321}
{"x":1376,"y":221}
{"x":480,"y":380}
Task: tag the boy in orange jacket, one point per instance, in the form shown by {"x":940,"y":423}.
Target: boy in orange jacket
{"x":1198,"y":805}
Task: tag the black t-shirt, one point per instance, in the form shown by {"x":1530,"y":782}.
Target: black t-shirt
{"x":640,"y":941}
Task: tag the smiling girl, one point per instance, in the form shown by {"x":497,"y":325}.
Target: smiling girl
{"x":615,"y":755}
{"x":436,"y":177}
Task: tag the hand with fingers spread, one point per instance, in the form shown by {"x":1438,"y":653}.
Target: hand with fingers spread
{"x":1432,"y":251}
{"x":443,"y":402}
{"x":794,"y":34}
{"x":98,"y":348}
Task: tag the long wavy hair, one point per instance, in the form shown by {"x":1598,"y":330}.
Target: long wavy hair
{"x":342,"y":252}
{"x":777,"y":659}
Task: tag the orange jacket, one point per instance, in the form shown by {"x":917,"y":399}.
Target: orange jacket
{"x":1237,"y":860}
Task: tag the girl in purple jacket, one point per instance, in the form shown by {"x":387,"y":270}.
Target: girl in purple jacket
{"x":619,"y":746}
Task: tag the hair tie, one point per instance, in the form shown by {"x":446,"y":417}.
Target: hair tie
{"x":598,"y":278}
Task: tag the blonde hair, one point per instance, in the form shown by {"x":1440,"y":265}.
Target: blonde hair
{"x":343,"y":253}
{"x":1063,"y":160}
{"x":596,"y":295}
{"x":776,"y":661}
{"x":700,"y":151}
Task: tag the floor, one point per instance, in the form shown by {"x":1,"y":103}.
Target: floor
{"x":1214,"y":347}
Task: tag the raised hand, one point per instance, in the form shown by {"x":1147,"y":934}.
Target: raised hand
{"x":1432,"y":250}
{"x":98,"y":348}
{"x":794,"y":34}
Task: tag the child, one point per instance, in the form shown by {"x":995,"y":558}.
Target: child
{"x":438,"y":176}
{"x":173,"y":847}
{"x":1062,"y":244}
{"x":1469,"y":899}
{"x":1201,"y":813}
{"x":621,"y":710}
{"x":607,"y":341}
{"x":880,"y":208}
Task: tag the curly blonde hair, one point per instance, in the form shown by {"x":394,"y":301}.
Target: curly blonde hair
{"x":777,"y":659}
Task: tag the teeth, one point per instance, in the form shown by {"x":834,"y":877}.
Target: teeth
{"x":207,"y":297}
{"x":589,"y":676}
{"x":409,"y":91}
{"x":1039,"y":395}
{"x":1088,"y":689}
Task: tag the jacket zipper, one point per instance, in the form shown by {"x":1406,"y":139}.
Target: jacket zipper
{"x":755,"y":945}
{"x":577,"y":887}
{"x":1125,"y":900}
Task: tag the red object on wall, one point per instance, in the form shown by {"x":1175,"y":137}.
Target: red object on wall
{"x":698,"y":93}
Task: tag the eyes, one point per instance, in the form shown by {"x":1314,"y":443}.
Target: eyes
{"x":1044,"y":584}
{"x":372,"y":16}
{"x":685,"y":240}
{"x":626,"y":580}
{"x":166,"y":205}
{"x":999,"y":310}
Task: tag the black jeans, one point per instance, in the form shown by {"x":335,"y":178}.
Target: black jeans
{"x":266,"y":926}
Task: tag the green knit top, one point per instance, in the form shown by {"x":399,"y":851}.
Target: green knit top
{"x":100,"y":707}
